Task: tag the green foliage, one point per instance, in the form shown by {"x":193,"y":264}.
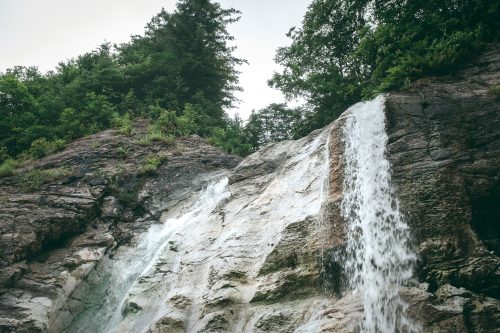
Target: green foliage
{"x":34,"y":179}
{"x":42,"y":147}
{"x":183,"y":63}
{"x":273,"y":123}
{"x":189,"y":121}
{"x":494,"y":91}
{"x":123,"y":123}
{"x":4,"y":154}
{"x":347,"y":50}
{"x":231,"y":138}
{"x":155,"y":134}
{"x":8,"y":168}
{"x":151,"y":163}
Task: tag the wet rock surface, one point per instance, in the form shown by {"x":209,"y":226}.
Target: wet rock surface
{"x":444,"y":148}
{"x":52,"y":236}
{"x":267,"y":258}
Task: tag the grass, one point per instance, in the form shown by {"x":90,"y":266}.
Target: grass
{"x":151,"y":163}
{"x":36,"y":178}
{"x":494,"y":91}
{"x":123,"y":123}
{"x":156,"y":134}
{"x":8,"y":168}
{"x":122,"y":152}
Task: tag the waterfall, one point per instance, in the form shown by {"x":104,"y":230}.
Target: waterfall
{"x":197,"y":259}
{"x":123,"y":273}
{"x":379,"y":260}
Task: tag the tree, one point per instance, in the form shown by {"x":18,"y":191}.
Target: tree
{"x":17,"y":113}
{"x":183,"y":63}
{"x":347,"y":50}
{"x":184,"y":57}
{"x":273,"y":123}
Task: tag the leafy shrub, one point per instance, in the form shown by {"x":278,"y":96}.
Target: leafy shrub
{"x":43,"y":147}
{"x":123,"y":123}
{"x":229,"y":141}
{"x":4,"y":154}
{"x":188,"y":122}
{"x":156,"y":134}
{"x":151,"y":164}
{"x":8,"y":168}
{"x":494,"y":91}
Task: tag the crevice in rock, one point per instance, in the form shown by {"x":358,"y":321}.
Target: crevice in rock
{"x":486,"y":220}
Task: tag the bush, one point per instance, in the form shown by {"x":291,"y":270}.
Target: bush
{"x":494,"y":91}
{"x":42,"y":147}
{"x":156,"y":134}
{"x":8,"y":168}
{"x":187,"y":123}
{"x":123,"y":123}
{"x":151,"y":164}
{"x":4,"y":154}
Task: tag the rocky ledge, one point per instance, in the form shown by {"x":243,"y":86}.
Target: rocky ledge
{"x":61,"y":215}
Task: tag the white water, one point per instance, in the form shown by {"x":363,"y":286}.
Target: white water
{"x":379,"y":259}
{"x":211,"y":247}
{"x":130,"y":267}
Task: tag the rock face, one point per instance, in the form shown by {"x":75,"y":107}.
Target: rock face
{"x":209,"y":244}
{"x":444,"y":147}
{"x":63,"y":214}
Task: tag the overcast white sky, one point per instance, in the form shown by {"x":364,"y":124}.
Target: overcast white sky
{"x":44,"y":32}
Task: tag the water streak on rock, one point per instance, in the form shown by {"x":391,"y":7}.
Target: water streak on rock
{"x":126,"y":272}
{"x":379,"y":259}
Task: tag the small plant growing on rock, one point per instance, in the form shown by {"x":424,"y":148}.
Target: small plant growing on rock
{"x":123,"y":123}
{"x":43,"y":147}
{"x":8,"y":168}
{"x":156,"y":134}
{"x":494,"y":91}
{"x":34,"y":179}
{"x":151,"y":164}
{"x":121,"y":152}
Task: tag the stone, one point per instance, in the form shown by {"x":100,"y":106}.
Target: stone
{"x":269,"y":257}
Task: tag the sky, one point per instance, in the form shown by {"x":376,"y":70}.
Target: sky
{"x":44,"y":32}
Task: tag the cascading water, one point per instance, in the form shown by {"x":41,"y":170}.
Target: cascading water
{"x":379,"y":259}
{"x":124,"y":272}
{"x":221,"y":251}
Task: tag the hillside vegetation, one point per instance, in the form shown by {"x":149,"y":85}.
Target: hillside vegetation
{"x":182,"y":74}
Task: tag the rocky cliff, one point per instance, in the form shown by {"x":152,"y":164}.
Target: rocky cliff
{"x":62,"y":215}
{"x":209,"y":243}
